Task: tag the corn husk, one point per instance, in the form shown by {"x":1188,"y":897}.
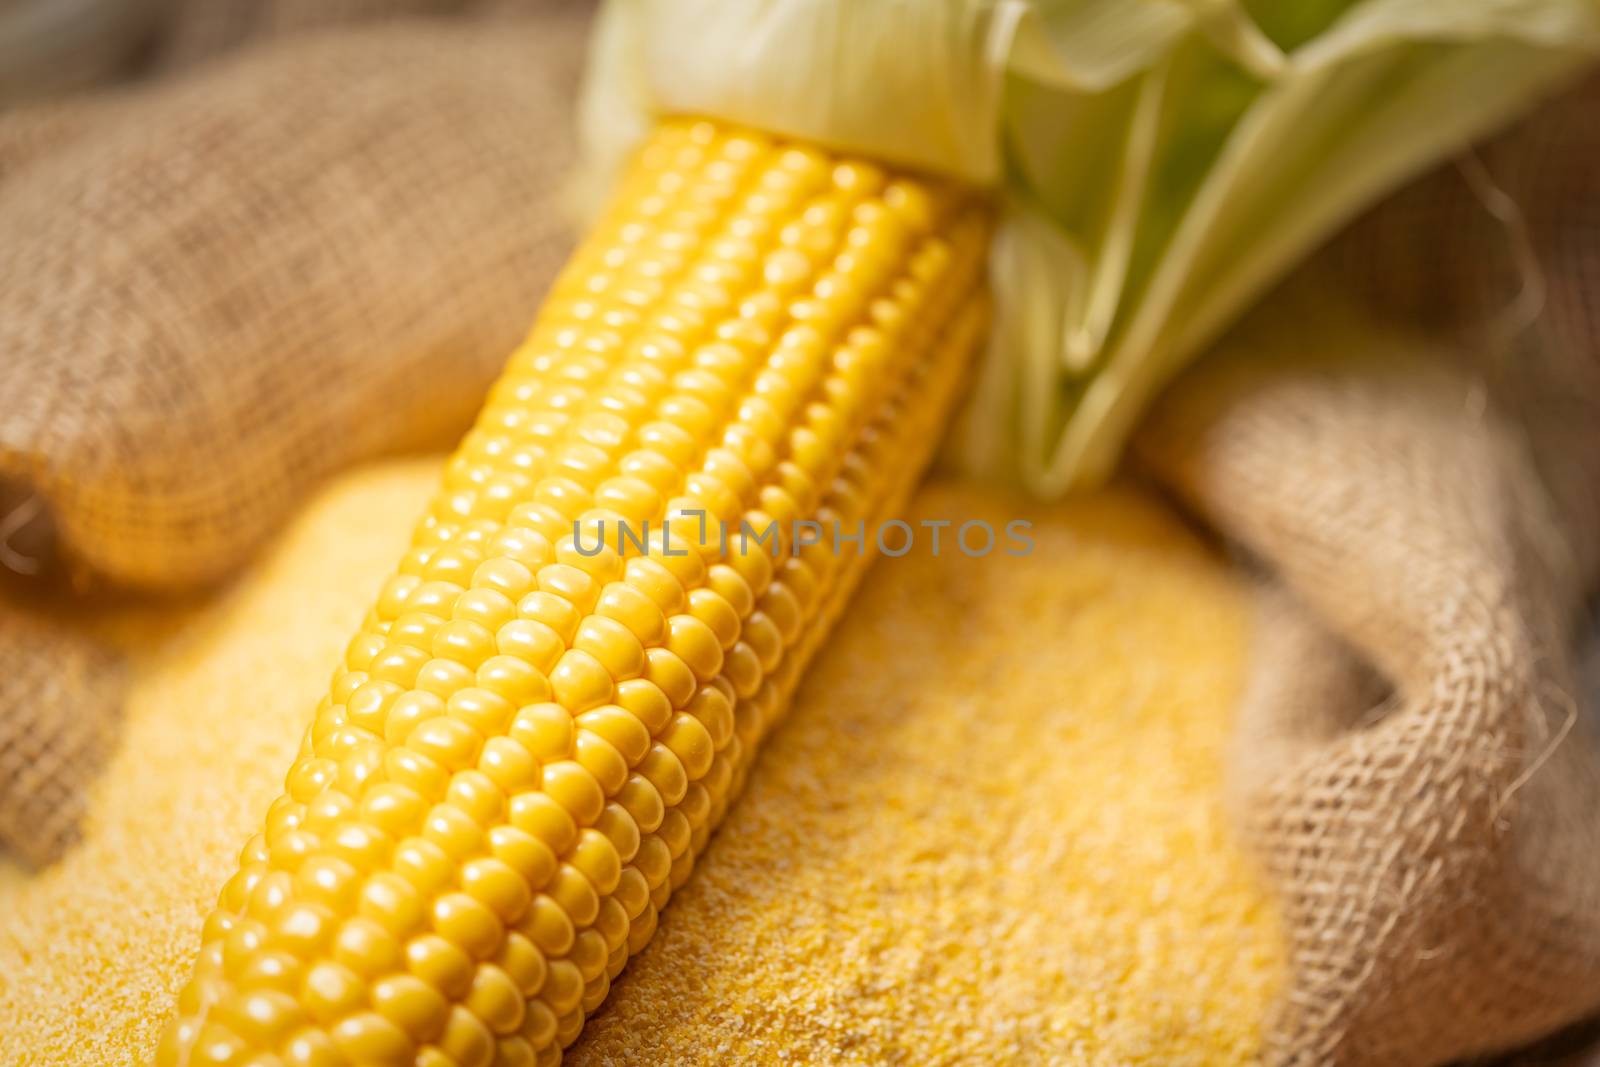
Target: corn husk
{"x":1160,"y":162}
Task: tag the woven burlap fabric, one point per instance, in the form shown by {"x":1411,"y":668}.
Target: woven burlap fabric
{"x":53,"y":46}
{"x":1416,"y":766}
{"x":284,"y":265}
{"x":49,"y":47}
{"x":200,"y":29}
{"x":60,"y":704}
{"x":220,"y":287}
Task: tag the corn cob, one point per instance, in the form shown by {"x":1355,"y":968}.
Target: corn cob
{"x":555,"y":698}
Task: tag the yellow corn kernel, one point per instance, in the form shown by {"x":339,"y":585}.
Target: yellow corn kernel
{"x":554,"y":701}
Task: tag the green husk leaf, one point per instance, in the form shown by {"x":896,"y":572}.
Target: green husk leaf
{"x":1160,"y":162}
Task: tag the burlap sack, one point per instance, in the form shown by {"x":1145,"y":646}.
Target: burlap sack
{"x":219,"y":288}
{"x":54,"y":46}
{"x":50,"y":47}
{"x":58,"y":717}
{"x":269,"y":271}
{"x":199,"y":29}
{"x":1410,"y":767}
{"x":1414,"y":766}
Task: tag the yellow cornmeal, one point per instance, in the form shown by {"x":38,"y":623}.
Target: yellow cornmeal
{"x":989,"y":832}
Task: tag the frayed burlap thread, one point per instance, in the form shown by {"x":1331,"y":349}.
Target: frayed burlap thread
{"x":60,"y":693}
{"x":1435,"y":850}
{"x":1498,"y":253}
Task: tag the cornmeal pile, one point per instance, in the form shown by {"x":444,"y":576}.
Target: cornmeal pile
{"x":989,"y":832}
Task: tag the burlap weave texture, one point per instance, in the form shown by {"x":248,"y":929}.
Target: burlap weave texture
{"x":220,"y":287}
{"x":1416,"y":763}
